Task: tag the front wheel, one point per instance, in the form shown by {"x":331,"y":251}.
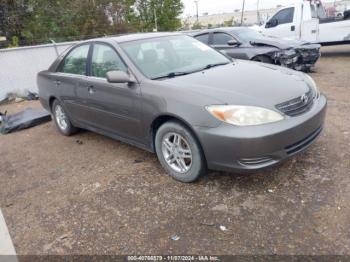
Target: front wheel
{"x":263,"y":59}
{"x":179,"y":152}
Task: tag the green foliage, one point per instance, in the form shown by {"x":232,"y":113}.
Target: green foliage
{"x":196,"y":26}
{"x":228,"y":23}
{"x":40,"y":21}
{"x":14,"y":42}
{"x":163,"y":12}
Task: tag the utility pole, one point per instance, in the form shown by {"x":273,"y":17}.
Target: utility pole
{"x":155,"y":20}
{"x":257,"y":12}
{"x":242,"y":13}
{"x":196,"y":2}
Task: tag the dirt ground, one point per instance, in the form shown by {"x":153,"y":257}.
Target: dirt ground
{"x":60,"y":196}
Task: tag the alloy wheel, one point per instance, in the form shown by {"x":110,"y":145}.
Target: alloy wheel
{"x":61,"y":118}
{"x":177,"y":152}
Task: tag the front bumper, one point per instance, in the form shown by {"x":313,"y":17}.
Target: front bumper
{"x":248,"y":149}
{"x":303,"y":60}
{"x":307,"y":59}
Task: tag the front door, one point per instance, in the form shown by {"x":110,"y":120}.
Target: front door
{"x":228,"y":45}
{"x":113,"y":108}
{"x":282,"y":24}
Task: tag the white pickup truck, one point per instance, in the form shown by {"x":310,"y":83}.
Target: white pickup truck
{"x":307,"y":21}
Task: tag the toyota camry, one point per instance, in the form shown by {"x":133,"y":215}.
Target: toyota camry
{"x":173,"y":95}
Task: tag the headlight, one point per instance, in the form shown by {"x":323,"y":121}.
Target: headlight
{"x":286,"y":53}
{"x":287,"y":57}
{"x":244,"y":115}
{"x":311,"y":83}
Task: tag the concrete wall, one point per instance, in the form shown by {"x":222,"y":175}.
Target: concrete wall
{"x":19,"y":66}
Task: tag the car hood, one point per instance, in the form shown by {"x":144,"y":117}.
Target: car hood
{"x":244,"y":83}
{"x":283,"y":43}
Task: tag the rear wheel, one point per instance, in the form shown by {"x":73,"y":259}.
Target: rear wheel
{"x":179,"y":152}
{"x":62,"y":121}
{"x":263,"y":59}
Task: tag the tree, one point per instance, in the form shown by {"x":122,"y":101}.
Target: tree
{"x":12,"y":14}
{"x":229,"y":22}
{"x":40,"y":21}
{"x":196,"y":26}
{"x":164,"y":13}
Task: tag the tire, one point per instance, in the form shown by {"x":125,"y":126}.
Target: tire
{"x":184,"y":169}
{"x":263,"y":59}
{"x":62,"y":122}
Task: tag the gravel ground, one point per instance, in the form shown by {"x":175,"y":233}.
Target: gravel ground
{"x":88,"y":194}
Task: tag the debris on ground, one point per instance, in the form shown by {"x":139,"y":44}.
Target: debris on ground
{"x":139,"y":161}
{"x":221,"y":207}
{"x":28,"y":118}
{"x":19,"y":99}
{"x":207,"y":224}
{"x":222,"y":228}
{"x":2,"y":115}
{"x":79,"y":142}
{"x":175,"y":237}
{"x":32,"y":96}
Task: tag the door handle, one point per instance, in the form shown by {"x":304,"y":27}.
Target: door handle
{"x":292,"y":28}
{"x":57,"y":82}
{"x":91,"y":90}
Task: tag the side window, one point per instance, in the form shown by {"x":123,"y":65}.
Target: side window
{"x":75,"y":61}
{"x":284,"y":16}
{"x":221,"y":38}
{"x":105,"y":59}
{"x":203,"y":38}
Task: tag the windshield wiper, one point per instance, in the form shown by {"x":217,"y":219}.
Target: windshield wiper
{"x":175,"y":74}
{"x":171,"y":75}
{"x":214,"y":65}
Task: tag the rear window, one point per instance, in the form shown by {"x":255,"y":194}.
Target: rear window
{"x":203,"y":38}
{"x":75,"y":62}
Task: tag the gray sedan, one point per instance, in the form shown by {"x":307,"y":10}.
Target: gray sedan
{"x":246,"y":43}
{"x":173,"y":95}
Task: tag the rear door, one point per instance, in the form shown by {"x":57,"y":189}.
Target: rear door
{"x":71,"y":73}
{"x":110,"y":107}
{"x":309,"y":30}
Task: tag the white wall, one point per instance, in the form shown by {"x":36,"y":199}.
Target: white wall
{"x":19,"y":66}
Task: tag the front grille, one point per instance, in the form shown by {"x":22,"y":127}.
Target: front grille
{"x":302,"y":144}
{"x":297,"y":106}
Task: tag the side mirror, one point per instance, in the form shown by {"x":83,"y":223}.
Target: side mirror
{"x":118,"y":77}
{"x":233,"y":42}
{"x":272,"y":23}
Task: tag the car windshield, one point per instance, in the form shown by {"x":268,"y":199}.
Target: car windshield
{"x":172,"y":56}
{"x":248,"y":35}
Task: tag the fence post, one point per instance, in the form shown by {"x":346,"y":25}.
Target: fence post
{"x":55,"y":46}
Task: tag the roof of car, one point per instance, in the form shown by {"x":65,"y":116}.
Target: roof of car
{"x":140,"y":36}
{"x":224,"y":29}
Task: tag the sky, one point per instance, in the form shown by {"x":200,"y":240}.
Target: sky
{"x":228,"y":6}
